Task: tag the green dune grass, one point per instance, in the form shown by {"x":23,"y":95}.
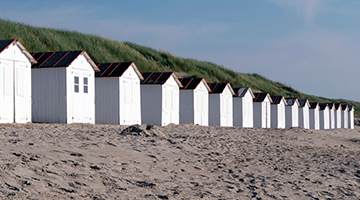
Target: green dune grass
{"x":103,"y":49}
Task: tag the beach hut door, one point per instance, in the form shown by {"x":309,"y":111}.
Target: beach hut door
{"x":6,"y":92}
{"x":22,"y":96}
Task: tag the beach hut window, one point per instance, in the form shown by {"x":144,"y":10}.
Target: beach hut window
{"x":76,"y":84}
{"x":85,"y":85}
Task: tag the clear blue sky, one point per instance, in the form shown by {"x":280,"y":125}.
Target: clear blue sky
{"x":311,"y":45}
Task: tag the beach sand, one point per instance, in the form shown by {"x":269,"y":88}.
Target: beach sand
{"x":58,"y":161}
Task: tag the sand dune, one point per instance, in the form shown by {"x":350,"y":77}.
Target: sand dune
{"x":57,"y":161}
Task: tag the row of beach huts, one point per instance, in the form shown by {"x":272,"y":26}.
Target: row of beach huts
{"x":68,"y":87}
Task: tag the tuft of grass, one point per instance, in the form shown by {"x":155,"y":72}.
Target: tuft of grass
{"x":103,"y":49}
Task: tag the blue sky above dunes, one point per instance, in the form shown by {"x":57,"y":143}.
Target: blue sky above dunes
{"x":311,"y":45}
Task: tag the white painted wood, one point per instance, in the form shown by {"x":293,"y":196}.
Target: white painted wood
{"x":314,"y":118}
{"x":262,"y":113}
{"x":292,"y":115}
{"x":49,"y":100}
{"x":54,"y":97}
{"x":351,"y":118}
{"x":194,"y":105}
{"x":117,"y":99}
{"x":278,"y":115}
{"x":345,"y":118}
{"x":15,"y":84}
{"x":243,"y":111}
{"x":81,"y":106}
{"x":221,"y":108}
{"x":338,"y":118}
{"x":160,"y":103}
{"x":332,"y":117}
{"x":304,"y":116}
{"x":324,"y":117}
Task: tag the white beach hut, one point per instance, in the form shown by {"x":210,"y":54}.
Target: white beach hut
{"x":221,"y":104}
{"x":314,"y":117}
{"x":63,"y":87}
{"x":194,"y":101}
{"x":291,"y":112}
{"x":160,"y":98}
{"x":338,"y":118}
{"x":332,"y":115}
{"x":243,"y":107}
{"x":304,"y":120}
{"x":117,"y":94}
{"x":344,"y":116}
{"x":351,"y":116}
{"x":15,"y":82}
{"x":262,"y":110}
{"x":324,"y":116}
{"x":278,"y":112}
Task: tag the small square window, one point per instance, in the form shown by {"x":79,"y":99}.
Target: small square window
{"x":76,"y":84}
{"x":85,"y":85}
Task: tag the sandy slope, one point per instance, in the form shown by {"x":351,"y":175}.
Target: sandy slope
{"x":55,"y":161}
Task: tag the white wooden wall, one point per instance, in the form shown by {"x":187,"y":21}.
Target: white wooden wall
{"x":107,"y":102}
{"x":314,"y":118}
{"x":170,"y":102}
{"x":278,"y":115}
{"x":243,"y":111}
{"x":304,"y":117}
{"x":80,"y":105}
{"x":332,"y":118}
{"x":324,"y":118}
{"x":187,"y":106}
{"x":214,"y":109}
{"x":338,"y":117}
{"x":226,"y":108}
{"x":292,"y":116}
{"x":130,"y":101}
{"x":351,"y":118}
{"x":345,"y":119}
{"x":15,"y":82}
{"x":262,"y":114}
{"x":201,"y":105}
{"x":49,"y":95}
{"x":151,"y":104}
{"x":194,"y":106}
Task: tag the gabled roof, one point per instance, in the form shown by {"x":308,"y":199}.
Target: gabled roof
{"x":350,"y":107}
{"x":219,"y":87}
{"x":241,"y":92}
{"x":60,"y":59}
{"x":159,"y":78}
{"x":116,"y":69}
{"x":192,"y":83}
{"x":4,"y":44}
{"x":323,"y":106}
{"x":344,"y":107}
{"x":303,"y":102}
{"x":291,"y":101}
{"x":313,"y":105}
{"x":331,"y":105}
{"x":278,"y":99}
{"x":260,"y":97}
{"x":337,"y":106}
